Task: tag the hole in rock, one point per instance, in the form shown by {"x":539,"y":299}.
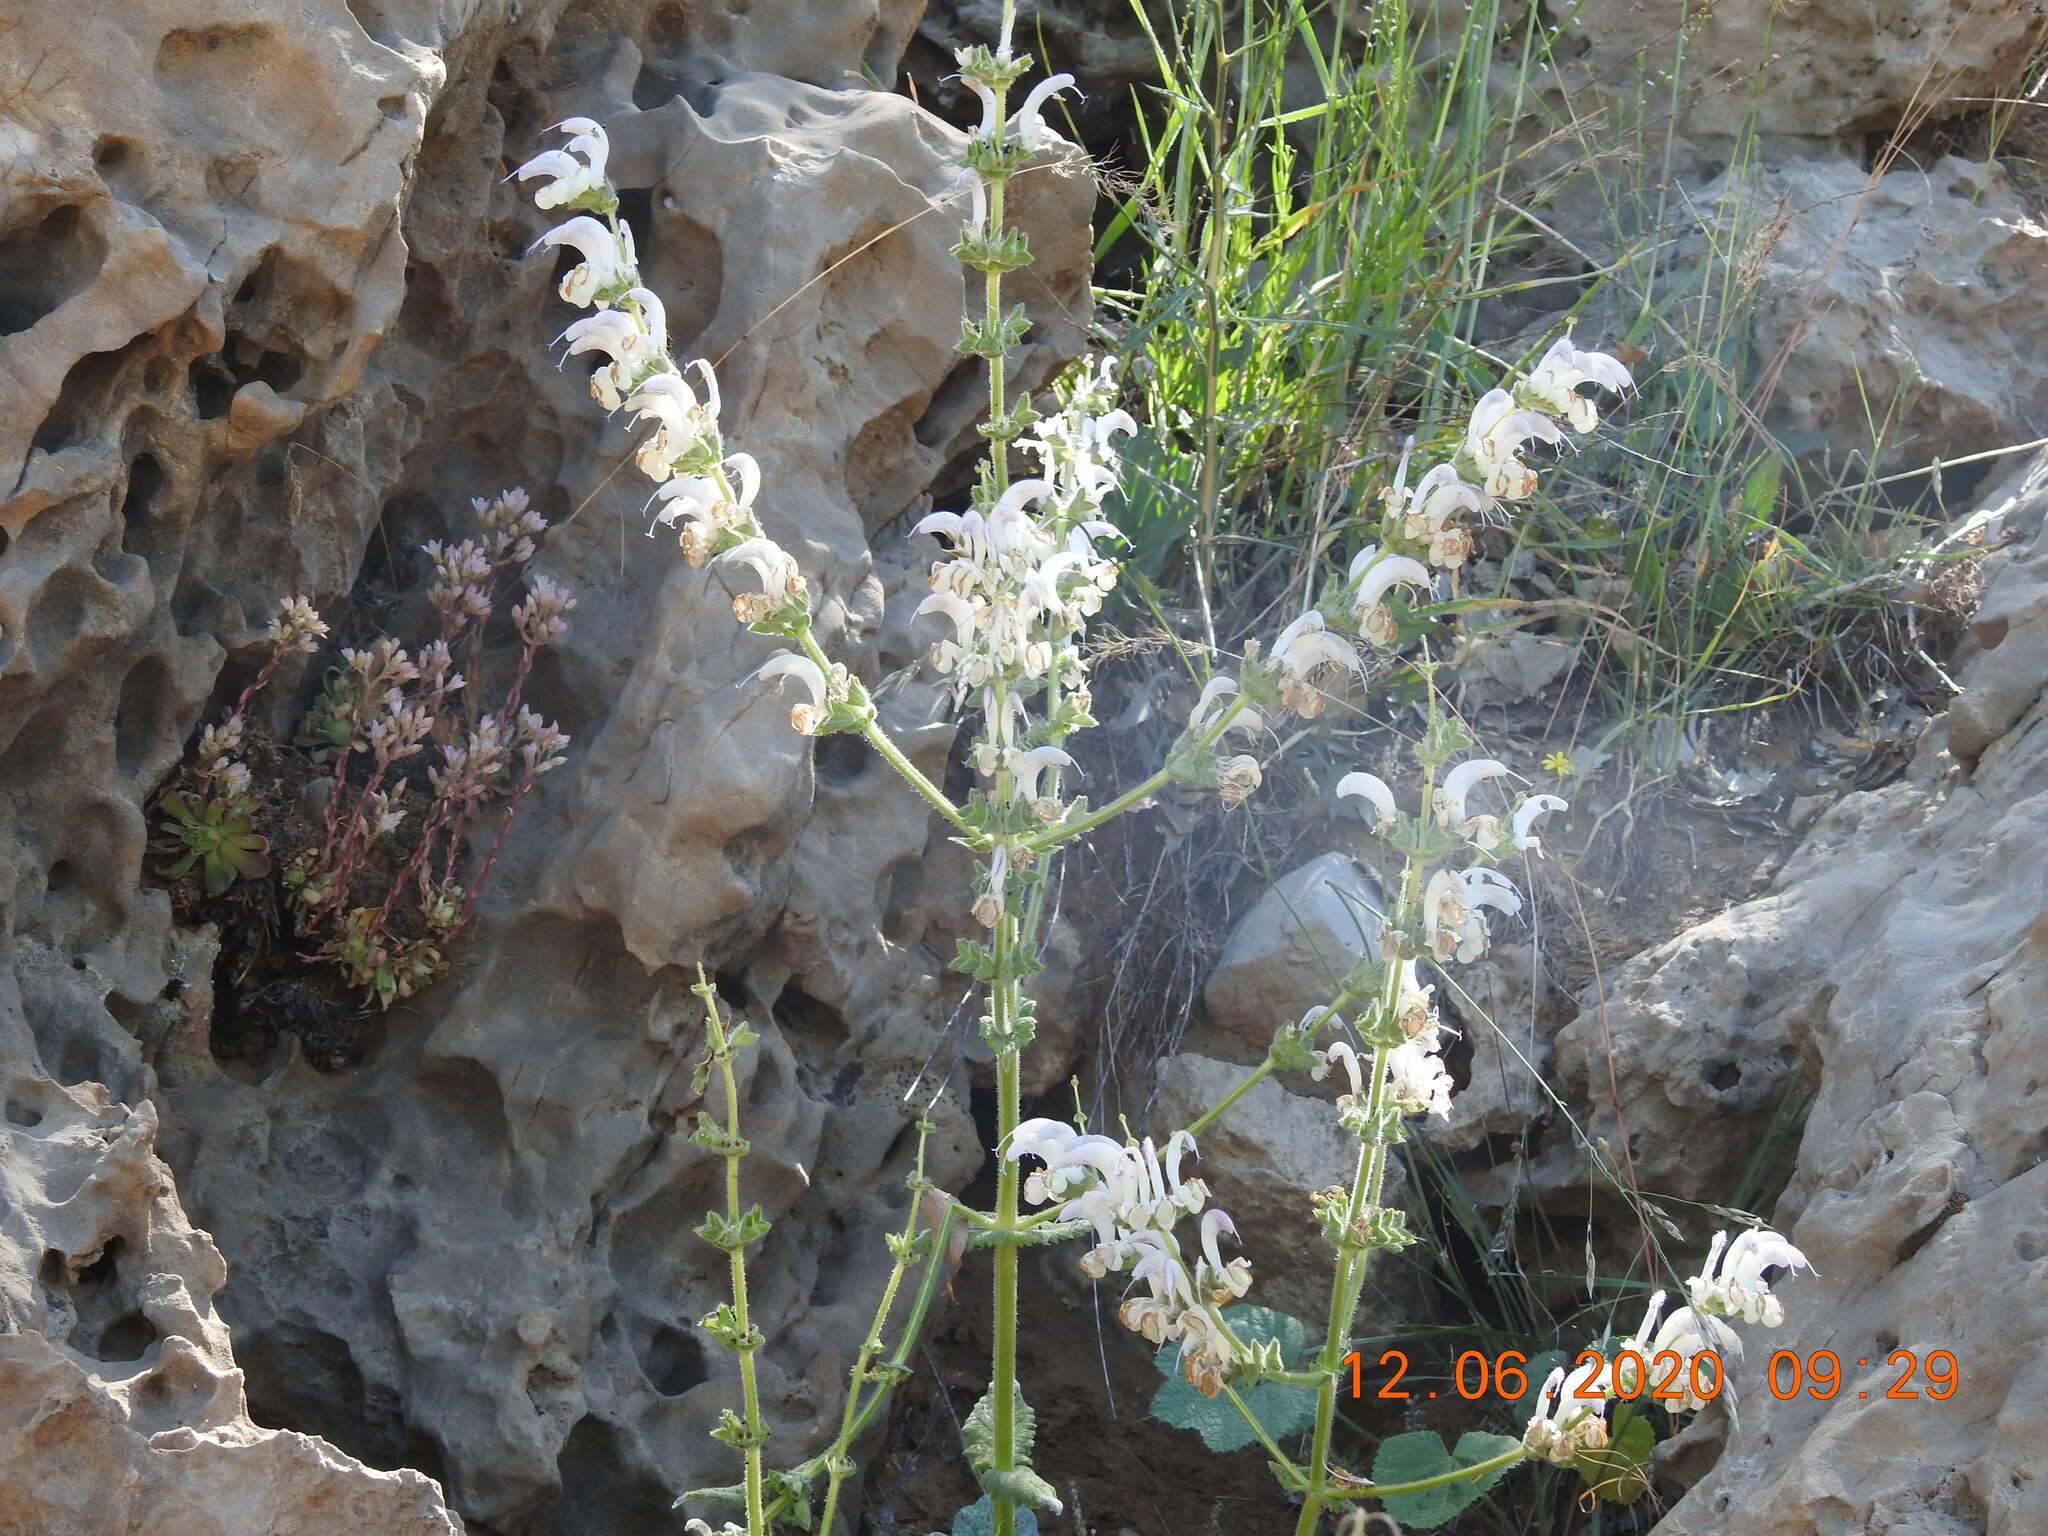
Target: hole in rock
{"x":111,"y":152}
{"x":1723,"y":1075}
{"x":127,"y":1337}
{"x":953,"y":404}
{"x":145,"y":481}
{"x":603,"y":1493}
{"x":85,"y":396}
{"x":5,"y":539}
{"x":142,"y":718}
{"x":843,"y":759}
{"x":61,"y":879}
{"x":674,"y":1362}
{"x":23,"y":1115}
{"x":45,"y":265}
{"x":50,"y":1274}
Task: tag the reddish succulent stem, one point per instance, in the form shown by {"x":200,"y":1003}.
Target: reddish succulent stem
{"x":484,"y":871}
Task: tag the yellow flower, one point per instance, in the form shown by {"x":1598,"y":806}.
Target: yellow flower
{"x":1559,"y":764}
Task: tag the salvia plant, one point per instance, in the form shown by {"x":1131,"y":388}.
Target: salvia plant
{"x":1018,"y":576}
{"x":381,"y":709}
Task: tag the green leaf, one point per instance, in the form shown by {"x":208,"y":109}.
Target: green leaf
{"x":1018,"y":1483}
{"x":979,"y":1519}
{"x":1411,"y":1458}
{"x":1616,"y":1472}
{"x":1281,"y":1409}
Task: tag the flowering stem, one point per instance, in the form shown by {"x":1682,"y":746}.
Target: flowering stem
{"x":1074,"y":826}
{"x":483,"y":873}
{"x":890,"y":753}
{"x":1009,"y":1097}
{"x":1368,"y":1183}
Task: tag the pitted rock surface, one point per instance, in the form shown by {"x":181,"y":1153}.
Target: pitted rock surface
{"x":268,"y":322}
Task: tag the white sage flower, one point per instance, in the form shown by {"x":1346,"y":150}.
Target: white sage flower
{"x":1459,"y":783}
{"x":1735,"y":1281}
{"x":608,"y":264}
{"x":1554,"y":385}
{"x":1417,"y":1083}
{"x":1494,"y":441}
{"x":1302,"y":650}
{"x":1686,"y":1334}
{"x":988,"y":906}
{"x":1372,"y":789}
{"x":1567,"y":1424}
{"x":805,"y":716}
{"x":575,"y":171}
{"x":1221,"y":1283}
{"x":1526,"y":814}
{"x":1373,"y":574}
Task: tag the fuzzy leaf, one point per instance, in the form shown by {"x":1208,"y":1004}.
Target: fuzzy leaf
{"x":1018,"y":1483}
{"x":1280,"y":1408}
{"x":1410,"y":1458}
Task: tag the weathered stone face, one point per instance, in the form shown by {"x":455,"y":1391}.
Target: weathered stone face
{"x":269,"y":316}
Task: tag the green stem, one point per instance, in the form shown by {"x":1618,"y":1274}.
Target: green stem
{"x":1074,"y":826}
{"x":1205,"y":1121}
{"x":836,"y":1463}
{"x":1477,"y":1470}
{"x":1009,"y":1095}
{"x":750,"y":1391}
{"x":1368,"y":1184}
{"x":886,"y":748}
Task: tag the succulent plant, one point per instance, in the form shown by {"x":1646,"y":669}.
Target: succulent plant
{"x":214,"y":836}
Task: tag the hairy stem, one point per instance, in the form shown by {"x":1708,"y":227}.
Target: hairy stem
{"x":750,"y":1391}
{"x":1368,"y":1183}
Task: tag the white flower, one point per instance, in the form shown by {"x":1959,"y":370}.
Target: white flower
{"x":1554,"y":385}
{"x":1494,"y":440}
{"x":1733,"y":1283}
{"x":1458,"y":783}
{"x":685,"y":421}
{"x":1565,"y":1423}
{"x":1029,"y":768}
{"x":1437,"y":495}
{"x":804,"y":717}
{"x":1443,"y":912}
{"x":1216,"y":696}
{"x":1303,"y":649}
{"x":1687,"y":1335}
{"x":1028,"y":124}
{"x":1372,"y":789}
{"x":1225,"y":1282}
{"x":988,"y":906}
{"x":1372,"y":573}
{"x":1525,"y":817}
{"x":569,"y":178}
{"x":1327,"y":1060}
{"x":1417,"y":1083}
{"x":608,"y":264}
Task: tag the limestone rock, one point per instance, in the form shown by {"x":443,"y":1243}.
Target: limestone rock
{"x":1920,"y":288}
{"x":1287,"y":954}
{"x":1810,"y":69}
{"x":124,"y":1409}
{"x":269,"y":321}
{"x":1901,"y":953}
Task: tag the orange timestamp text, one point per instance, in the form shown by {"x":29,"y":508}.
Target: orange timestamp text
{"x":1667,"y":1376}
